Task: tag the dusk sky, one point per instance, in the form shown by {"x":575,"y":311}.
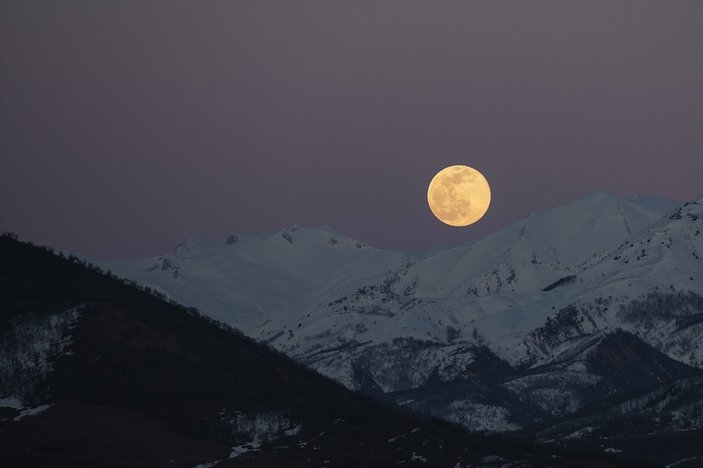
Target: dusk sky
{"x":127,"y":127}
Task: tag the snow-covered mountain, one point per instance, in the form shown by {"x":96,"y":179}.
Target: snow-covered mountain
{"x":247,"y":281}
{"x":533,"y":252}
{"x":524,"y":298}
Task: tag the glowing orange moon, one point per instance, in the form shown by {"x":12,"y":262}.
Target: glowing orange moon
{"x":459,"y":195}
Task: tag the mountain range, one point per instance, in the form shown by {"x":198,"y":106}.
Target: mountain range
{"x":97,"y":371}
{"x":584,"y":320}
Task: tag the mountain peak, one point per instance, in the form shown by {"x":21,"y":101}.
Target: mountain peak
{"x":191,"y":244}
{"x":323,"y":235}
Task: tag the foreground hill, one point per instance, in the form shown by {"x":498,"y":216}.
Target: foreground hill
{"x":96,"y":372}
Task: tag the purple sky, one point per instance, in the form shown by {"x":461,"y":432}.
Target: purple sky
{"x":128,"y":127}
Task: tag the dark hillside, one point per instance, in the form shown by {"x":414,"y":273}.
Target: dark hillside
{"x":132,"y":380}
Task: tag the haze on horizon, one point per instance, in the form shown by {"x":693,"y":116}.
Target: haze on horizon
{"x":127,"y":127}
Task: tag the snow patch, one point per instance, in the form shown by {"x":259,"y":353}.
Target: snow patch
{"x":31,"y":412}
{"x":683,"y":460}
{"x":208,"y":464}
{"x":583,"y":432}
{"x":479,"y":417}
{"x":242,"y":449}
{"x":11,"y":402}
{"x":255,"y":429}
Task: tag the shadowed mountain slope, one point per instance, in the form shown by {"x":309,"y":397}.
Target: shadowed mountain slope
{"x":96,"y":372}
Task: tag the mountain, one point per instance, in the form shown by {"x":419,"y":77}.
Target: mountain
{"x":512,"y":320}
{"x":247,"y":281}
{"x":592,"y":387}
{"x":533,"y":252}
{"x":98,"y":372}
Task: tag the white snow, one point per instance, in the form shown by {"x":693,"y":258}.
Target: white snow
{"x":683,"y":460}
{"x":31,"y":412}
{"x":584,"y":431}
{"x":254,"y":429}
{"x":207,"y":465}
{"x":11,"y":402}
{"x":480,"y":417}
{"x":254,"y":279}
{"x":242,"y":449}
{"x":420,"y":458}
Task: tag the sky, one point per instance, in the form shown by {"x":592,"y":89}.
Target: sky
{"x":127,"y":127}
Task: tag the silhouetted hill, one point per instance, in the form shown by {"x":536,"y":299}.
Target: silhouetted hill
{"x":97,"y":372}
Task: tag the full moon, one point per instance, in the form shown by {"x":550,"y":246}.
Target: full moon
{"x":459,"y":195}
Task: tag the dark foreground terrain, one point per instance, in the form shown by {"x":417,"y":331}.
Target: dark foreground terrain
{"x":97,"y":372}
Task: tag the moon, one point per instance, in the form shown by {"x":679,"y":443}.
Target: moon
{"x":459,"y":195}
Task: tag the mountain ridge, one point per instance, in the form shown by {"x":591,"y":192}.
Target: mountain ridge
{"x":386,"y":322}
